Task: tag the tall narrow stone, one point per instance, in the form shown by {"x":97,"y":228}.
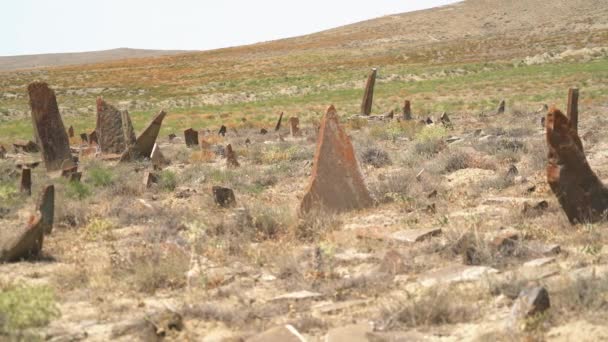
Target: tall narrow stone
{"x":46,"y":206}
{"x":573,"y":108}
{"x":222,"y":131}
{"x":26,"y":181}
{"x":368,"y":96}
{"x":191,"y":137}
{"x":278,"y":126}
{"x":114,"y":128}
{"x":578,"y":189}
{"x":501,"y":107}
{"x":2,"y":152}
{"x":294,"y":127}
{"x":407,"y":110}
{"x":145,"y":142}
{"x":336,"y":182}
{"x":231,"y":160}
{"x":48,"y":126}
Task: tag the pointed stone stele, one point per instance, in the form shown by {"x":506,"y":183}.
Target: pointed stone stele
{"x":501,"y":107}
{"x":579,"y":191}
{"x":22,"y":242}
{"x":114,"y":128}
{"x":158,"y":159}
{"x":263,"y":131}
{"x":46,"y":206}
{"x":278,"y":126}
{"x":407,"y":110}
{"x":231,"y":160}
{"x":336,"y":184}
{"x":294,"y":127}
{"x":191,"y":137}
{"x":145,"y":142}
{"x":368,"y":96}
{"x":26,"y":181}
{"x":48,"y":126}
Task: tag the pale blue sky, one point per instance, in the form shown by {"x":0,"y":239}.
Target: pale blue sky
{"x":46,"y":26}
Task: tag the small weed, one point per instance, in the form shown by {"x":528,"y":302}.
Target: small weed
{"x":98,"y":228}
{"x":167,"y":180}
{"x":77,"y":190}
{"x":100,"y":177}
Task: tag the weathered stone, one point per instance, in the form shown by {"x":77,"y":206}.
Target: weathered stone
{"x":535,"y":210}
{"x":25,"y":146}
{"x":579,"y":191}
{"x":407,"y":110}
{"x":278,"y":126}
{"x":46,"y":206}
{"x":191,"y":137}
{"x":283,"y":333}
{"x":84,"y":138}
{"x":149,"y":179}
{"x":93,"y":138}
{"x":429,"y":121}
{"x":68,"y":171}
{"x":224,"y":197}
{"x":70,"y":132}
{"x":572,"y":110}
{"x":114,"y":129}
{"x":501,"y":107}
{"x":445,"y":119}
{"x":48,"y":126}
{"x":231,"y":160}
{"x":298,"y":295}
{"x":158,"y":159}
{"x":294,"y":127}
{"x":222,"y":131}
{"x":263,"y":131}
{"x":26,"y":181}
{"x":530,"y":302}
{"x":22,"y":243}
{"x":390,"y":115}
{"x":173,"y":136}
{"x":247,"y":141}
{"x":455,"y":274}
{"x":145,"y":142}
{"x":368,"y":96}
{"x":336,"y":183}
{"x":415,"y":235}
{"x":350,"y":333}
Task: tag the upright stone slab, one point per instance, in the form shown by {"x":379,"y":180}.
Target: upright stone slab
{"x":573,"y":108}
{"x":231,"y":160}
{"x":71,"y":132}
{"x":93,"y":138}
{"x":294,"y":127}
{"x":278,"y":126}
{"x":145,"y":142}
{"x":26,"y":181}
{"x":84,"y":138}
{"x":368,"y":96}
{"x":578,"y":189}
{"x":407,"y":110}
{"x":336,"y":183}
{"x":48,"y":126}
{"x":191,"y":137}
{"x":114,"y":129}
{"x":46,"y":206}
{"x":2,"y":152}
{"x":501,"y":107}
{"x":17,"y":243}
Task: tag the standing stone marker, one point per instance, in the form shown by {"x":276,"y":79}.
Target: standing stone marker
{"x":231,"y":160}
{"x":22,"y":242}
{"x":501,"y":107}
{"x":26,"y":181}
{"x":294,"y":127}
{"x":573,"y":108}
{"x":93,"y":138}
{"x":2,"y":152}
{"x":46,"y":206}
{"x":224,"y":197}
{"x":407,"y":110}
{"x":368,"y":96}
{"x":145,"y":142}
{"x":278,"y":126}
{"x":191,"y":137}
{"x":336,"y":183}
{"x":114,"y":128}
{"x":158,"y":159}
{"x":222,"y":131}
{"x":71,"y":132}
{"x":48,"y":126}
{"x":84,"y":138}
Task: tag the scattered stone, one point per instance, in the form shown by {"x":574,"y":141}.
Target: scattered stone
{"x":149,"y":179}
{"x":231,"y":160}
{"x":165,"y":322}
{"x":145,"y":142}
{"x":23,"y":242}
{"x":350,"y":333}
{"x":530,"y":302}
{"x":445,"y":120}
{"x":505,"y":242}
{"x":46,"y":206}
{"x":191,"y":137}
{"x":283,"y":333}
{"x":26,"y":181}
{"x":540,"y":262}
{"x":263,"y":131}
{"x":173,"y":136}
{"x":455,"y":274}
{"x":407,"y":110}
{"x":299,"y":295}
{"x":278,"y":126}
{"x":222,"y":131}
{"x":48,"y":126}
{"x":25,"y":146}
{"x":415,"y":235}
{"x":336,"y":183}
{"x":501,"y":107}
{"x":368,"y":96}
{"x":224,"y":197}
{"x":579,"y":191}
{"x":70,"y":132}
{"x":158,"y":159}
{"x":294,"y":127}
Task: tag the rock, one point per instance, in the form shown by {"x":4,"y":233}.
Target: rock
{"x":173,"y":136}
{"x":70,"y":132}
{"x":530,"y":302}
{"x":165,"y":322}
{"x":48,"y":127}
{"x":22,"y":242}
{"x":407,"y":110}
{"x":428,"y":121}
{"x":368,"y":95}
{"x":445,"y":120}
{"x":278,"y":126}
{"x":415,"y":235}
{"x":336,"y":183}
{"x":224,"y":197}
{"x":390,"y":115}
{"x":145,"y":142}
{"x":114,"y":128}
{"x":294,"y":127}
{"x":540,"y":262}
{"x":84,"y":138}
{"x":68,"y":171}
{"x":222,"y":131}
{"x":535,"y":210}
{"x":350,"y":333}
{"x":231,"y":160}
{"x":93,"y":138}
{"x":501,"y":107}
{"x":505,"y":243}
{"x":46,"y":206}
{"x":25,"y":146}
{"x":299,"y":295}
{"x":158,"y":159}
{"x":283,"y":333}
{"x":513,"y":171}
{"x":263,"y":131}
{"x":579,"y":191}
{"x":455,"y":274}
{"x":191,"y":137}
{"x":26,"y":181}
{"x":149,"y":179}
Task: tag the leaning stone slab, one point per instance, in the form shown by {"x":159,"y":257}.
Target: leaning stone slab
{"x":300,"y":295}
{"x":336,"y":182}
{"x":145,"y":142}
{"x":278,"y":126}
{"x":114,"y":128}
{"x":283,"y":333}
{"x":368,"y":95}
{"x":48,"y":126}
{"x":455,"y":274}
{"x":17,"y":243}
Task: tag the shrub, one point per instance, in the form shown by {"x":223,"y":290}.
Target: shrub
{"x":100,"y":177}
{"x":77,"y":190}
{"x":23,"y":307}
{"x":98,"y":228}
{"x":375,"y":157}
{"x":167,"y":180}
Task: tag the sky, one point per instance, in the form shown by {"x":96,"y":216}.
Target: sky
{"x":50,"y":26}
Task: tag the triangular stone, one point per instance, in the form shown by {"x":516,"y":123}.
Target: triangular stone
{"x":336,"y":183}
{"x":46,"y":206}
{"x":114,"y":129}
{"x":145,"y":142}
{"x":22,"y":242}
{"x":48,"y":126}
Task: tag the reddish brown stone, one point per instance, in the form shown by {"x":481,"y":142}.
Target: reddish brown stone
{"x":191,"y":137}
{"x":407,"y":110}
{"x":84,"y":138}
{"x":572,"y":111}
{"x":231,"y":160}
{"x":145,"y":142}
{"x":368,"y":96}
{"x":578,"y":189}
{"x":71,"y":132}
{"x":26,"y":181}
{"x":294,"y":127}
{"x":93,"y":138}
{"x":48,"y":126}
{"x":22,"y":242}
{"x":336,"y":183}
{"x":278,"y":126}
{"x":114,"y":128}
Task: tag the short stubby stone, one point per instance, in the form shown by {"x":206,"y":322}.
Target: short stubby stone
{"x":407,"y":110}
{"x":114,"y":128}
{"x":145,"y":142}
{"x":501,"y":107}
{"x":223,"y":130}
{"x":231,"y":160}
{"x":48,"y":126}
{"x":191,"y":137}
{"x":336,"y":182}
{"x":224,"y":197}
{"x":150,"y":178}
{"x":294,"y":127}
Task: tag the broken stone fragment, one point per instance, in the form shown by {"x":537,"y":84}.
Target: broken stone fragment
{"x":149,"y":179}
{"x":222,"y":131}
{"x":18,"y":243}
{"x":224,"y":197}
{"x":158,"y":159}
{"x":191,"y":137}
{"x":407,"y":110}
{"x":145,"y":142}
{"x":70,"y":132}
{"x":84,"y":138}
{"x":278,"y":126}
{"x":263,"y":131}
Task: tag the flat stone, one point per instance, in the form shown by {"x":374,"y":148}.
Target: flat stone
{"x":283,"y":333}
{"x":350,"y":333}
{"x":299,"y":295}
{"x":540,"y":262}
{"x":415,"y":235}
{"x":332,"y":308}
{"x":455,"y":274}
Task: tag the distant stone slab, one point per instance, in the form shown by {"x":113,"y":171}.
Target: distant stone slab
{"x":455,"y":274}
{"x":191,"y":137}
{"x":145,"y":142}
{"x":48,"y":127}
{"x":368,"y":95}
{"x":336,"y":182}
{"x":114,"y":128}
{"x":299,"y":295}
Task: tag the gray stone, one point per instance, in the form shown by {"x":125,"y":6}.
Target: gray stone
{"x":455,"y":274}
{"x":415,"y":235}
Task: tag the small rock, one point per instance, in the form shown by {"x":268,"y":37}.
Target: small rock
{"x":224,"y":197}
{"x":415,"y":235}
{"x":531,"y":302}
